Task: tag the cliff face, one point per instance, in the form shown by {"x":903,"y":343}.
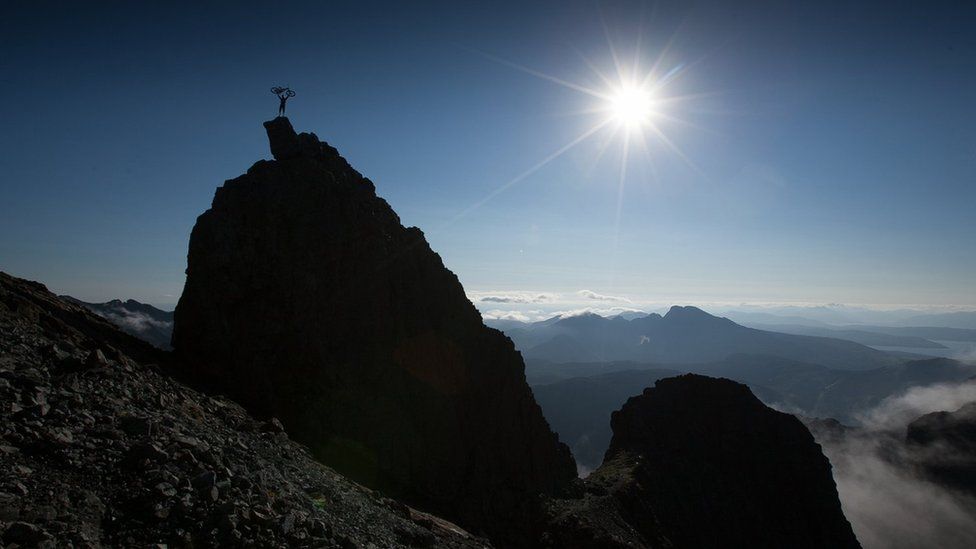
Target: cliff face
{"x":99,"y":448}
{"x":307,"y":299}
{"x":701,"y":462}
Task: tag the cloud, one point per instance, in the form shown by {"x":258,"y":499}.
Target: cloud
{"x":897,"y":411}
{"x":889,"y":504}
{"x":536,"y":314}
{"x":600,"y":297}
{"x":515,"y":297}
{"x":506,"y":315}
{"x":602,"y":311}
{"x":137,"y":322}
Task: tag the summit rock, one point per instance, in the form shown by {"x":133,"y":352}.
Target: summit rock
{"x":306,"y":299}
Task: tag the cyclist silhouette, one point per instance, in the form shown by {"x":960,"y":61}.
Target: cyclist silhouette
{"x":283,"y":95}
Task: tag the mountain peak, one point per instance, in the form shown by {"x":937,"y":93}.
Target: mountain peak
{"x":286,"y":144}
{"x":687,"y":312}
{"x":307,"y":299}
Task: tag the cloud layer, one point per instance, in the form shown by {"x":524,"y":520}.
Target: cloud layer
{"x":588,"y":294}
{"x":888,"y":503}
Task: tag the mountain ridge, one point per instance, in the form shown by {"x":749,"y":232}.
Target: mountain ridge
{"x":683,"y":335}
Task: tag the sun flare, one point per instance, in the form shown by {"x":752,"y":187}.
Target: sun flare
{"x":631,"y":106}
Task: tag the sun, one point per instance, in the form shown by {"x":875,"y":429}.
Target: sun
{"x":631,"y":106}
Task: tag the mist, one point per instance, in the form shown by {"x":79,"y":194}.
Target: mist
{"x":884,"y":495}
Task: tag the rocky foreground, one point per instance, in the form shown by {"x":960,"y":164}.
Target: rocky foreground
{"x":99,"y":448}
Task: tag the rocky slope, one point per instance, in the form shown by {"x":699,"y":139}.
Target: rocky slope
{"x":97,"y":447}
{"x":307,"y":299}
{"x":701,"y":462}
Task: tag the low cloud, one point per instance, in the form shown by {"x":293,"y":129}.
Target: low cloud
{"x":968,"y":356}
{"x":137,"y":322}
{"x":516,"y":297}
{"x":588,"y":294}
{"x":506,"y":315}
{"x":602,"y":311}
{"x":889,"y":503}
{"x":891,"y":507}
{"x":897,"y":411}
{"x":535,"y":315}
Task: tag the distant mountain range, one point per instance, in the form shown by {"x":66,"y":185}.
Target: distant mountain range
{"x":869,"y":335}
{"x":138,"y":319}
{"x":841,"y":315}
{"x":685,"y":335}
{"x":905,"y":336}
{"x":583,"y":367}
{"x":828,"y":317}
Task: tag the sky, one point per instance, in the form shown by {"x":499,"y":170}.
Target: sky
{"x":812,"y":152}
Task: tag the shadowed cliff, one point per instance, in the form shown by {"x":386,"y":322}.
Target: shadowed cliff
{"x":307,"y":299}
{"x":701,"y":462}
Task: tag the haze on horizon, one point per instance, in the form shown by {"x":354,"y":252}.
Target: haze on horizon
{"x":821,"y":154}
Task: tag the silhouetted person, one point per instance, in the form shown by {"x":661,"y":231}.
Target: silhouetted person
{"x":283,"y":95}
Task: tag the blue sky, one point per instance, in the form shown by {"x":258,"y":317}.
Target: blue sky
{"x":831,"y":148}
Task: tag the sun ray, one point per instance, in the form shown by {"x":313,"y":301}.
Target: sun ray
{"x":671,"y":99}
{"x":543,"y":75}
{"x":638,"y":48}
{"x":683,"y":122}
{"x":606,"y":80}
{"x":559,"y":152}
{"x":613,"y":50}
{"x":624,"y":157}
{"x":649,"y":77}
{"x":602,"y":149}
{"x":674,"y":148}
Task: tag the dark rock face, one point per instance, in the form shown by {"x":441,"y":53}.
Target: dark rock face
{"x":307,"y":299}
{"x":944,"y":446}
{"x":718,"y":468}
{"x":701,"y":462}
{"x":98,"y":448}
